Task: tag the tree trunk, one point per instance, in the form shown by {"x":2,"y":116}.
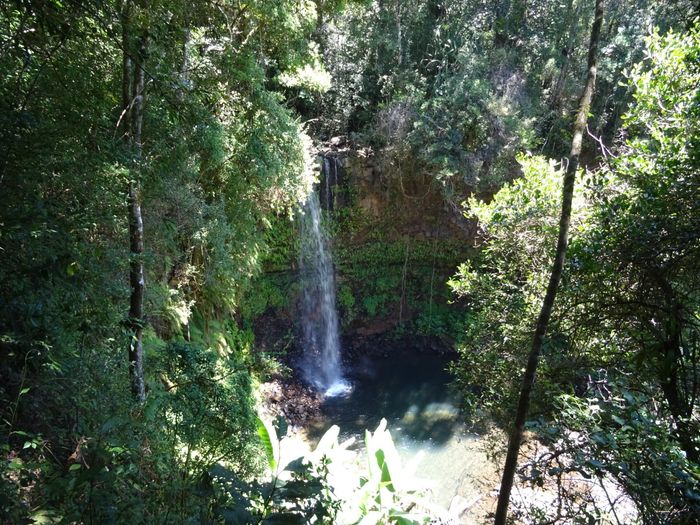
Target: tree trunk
{"x":566,"y":52}
{"x":555,"y":277}
{"x":138,"y":93}
{"x":184,"y":67}
{"x":131,"y":124}
{"x":399,"y":35}
{"x":136,"y":280}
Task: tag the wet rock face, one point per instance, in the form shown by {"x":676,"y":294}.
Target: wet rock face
{"x":395,"y":243}
{"x":357,"y":347}
{"x":274,"y":332}
{"x":404,"y":196}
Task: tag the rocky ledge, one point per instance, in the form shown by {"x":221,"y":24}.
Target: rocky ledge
{"x":290,"y":398}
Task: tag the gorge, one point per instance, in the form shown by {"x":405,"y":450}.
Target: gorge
{"x":227,"y":225}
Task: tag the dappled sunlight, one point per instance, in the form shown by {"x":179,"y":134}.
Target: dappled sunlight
{"x":242,"y":243}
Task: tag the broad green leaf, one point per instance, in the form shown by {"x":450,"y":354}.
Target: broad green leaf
{"x":268,"y":438}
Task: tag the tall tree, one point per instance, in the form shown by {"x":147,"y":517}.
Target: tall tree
{"x":555,"y":276}
{"x":131,"y":120}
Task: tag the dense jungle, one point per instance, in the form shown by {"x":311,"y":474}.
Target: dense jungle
{"x":349,"y":262}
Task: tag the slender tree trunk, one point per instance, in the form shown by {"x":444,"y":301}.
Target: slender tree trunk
{"x":319,"y":36}
{"x":566,"y":52}
{"x":124,"y":122}
{"x":184,"y":66}
{"x":131,"y":124}
{"x":399,"y":35}
{"x":555,"y":277}
{"x":137,"y":282}
{"x":138,"y":92}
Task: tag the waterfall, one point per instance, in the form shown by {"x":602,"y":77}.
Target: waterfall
{"x":330,"y":181}
{"x":327,"y":180}
{"x":319,"y":318}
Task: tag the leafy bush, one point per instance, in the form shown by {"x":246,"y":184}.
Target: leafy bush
{"x":303,"y":491}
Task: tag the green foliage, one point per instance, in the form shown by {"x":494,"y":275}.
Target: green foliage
{"x":268,"y":437}
{"x":346,"y":304}
{"x":307,"y":489}
{"x":380,"y":276}
{"x":458,"y":88}
{"x":374,"y":276}
{"x":126,"y":465}
{"x":438,"y":320}
{"x":636,"y":264}
{"x":619,"y":362}
{"x":453,"y":89}
{"x":207,"y":405}
{"x":275,"y":286}
{"x":643,"y":241}
{"x":298,"y":490}
{"x":221,"y":153}
{"x":302,"y":490}
{"x":388,"y":492}
{"x":503,"y":289}
{"x":268,"y":291}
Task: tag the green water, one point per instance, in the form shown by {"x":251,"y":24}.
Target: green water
{"x":412,"y":392}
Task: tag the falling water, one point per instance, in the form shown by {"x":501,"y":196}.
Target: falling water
{"x":319,"y":317}
{"x":327,"y":180}
{"x":330,"y":179}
